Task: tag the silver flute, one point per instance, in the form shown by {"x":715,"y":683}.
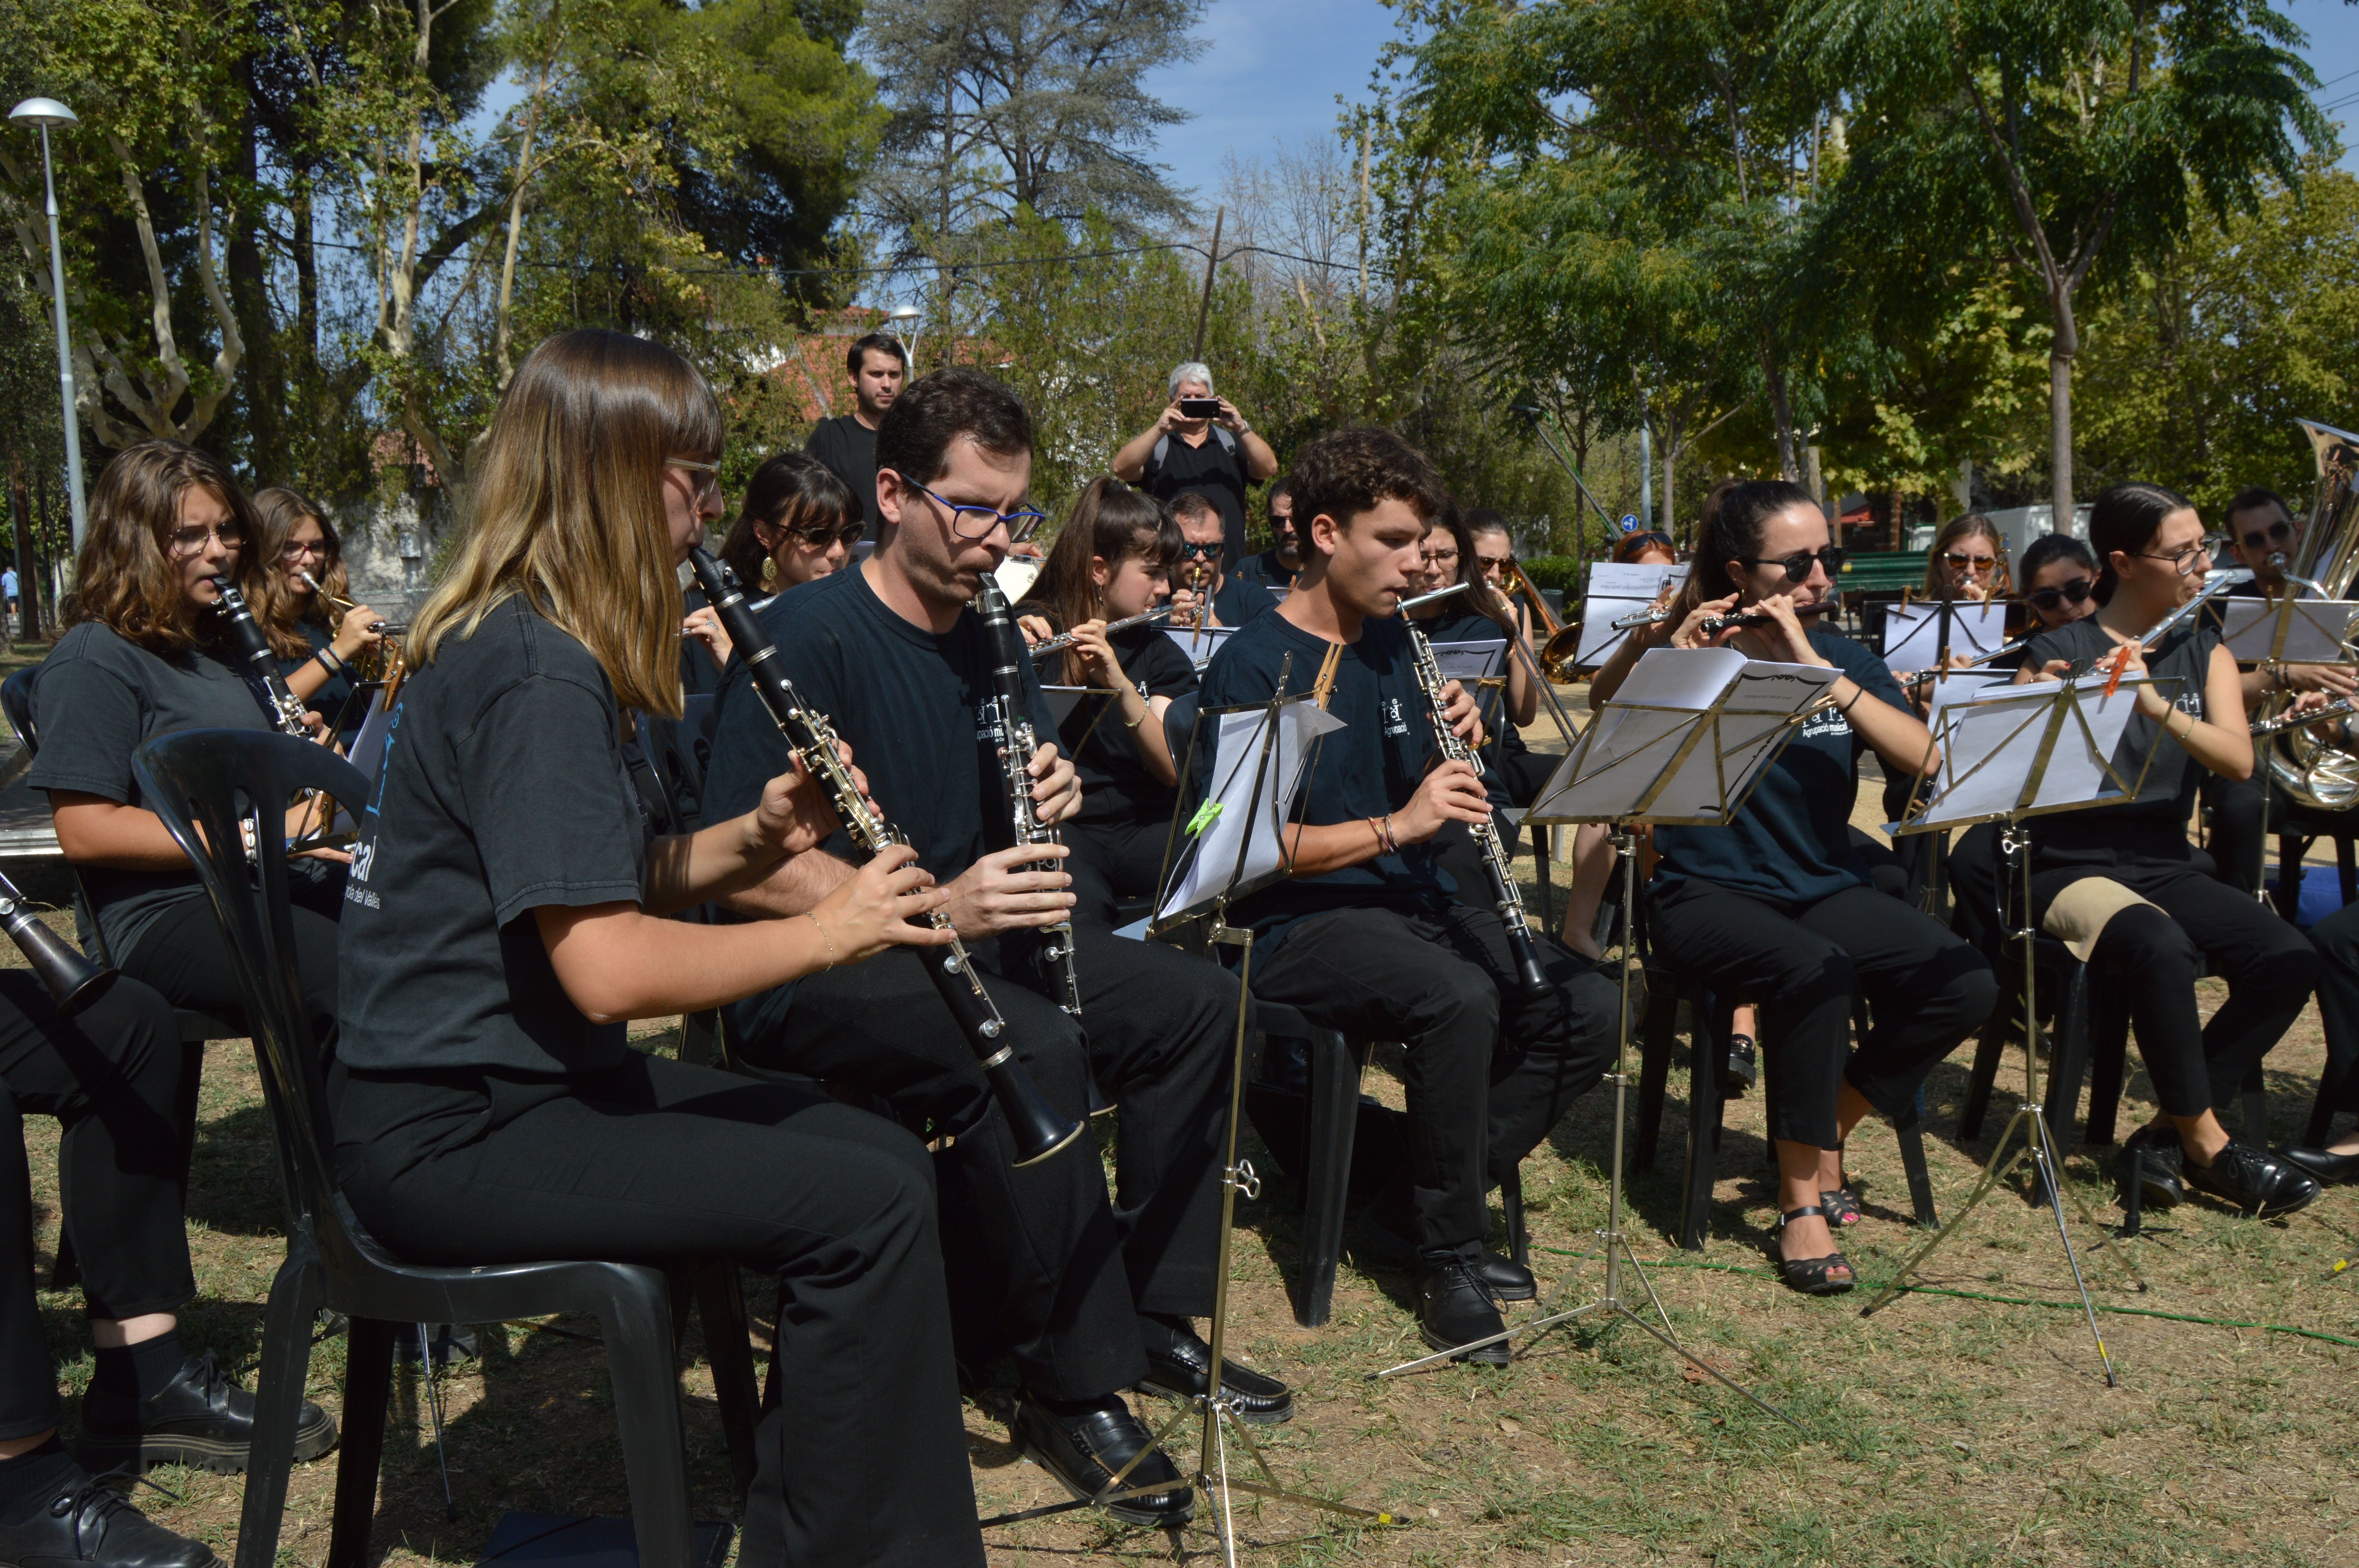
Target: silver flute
{"x":1060,"y":643}
{"x":2341,"y":707}
{"x":1653,"y":617}
{"x":1505,"y":896}
{"x":1012,"y":733}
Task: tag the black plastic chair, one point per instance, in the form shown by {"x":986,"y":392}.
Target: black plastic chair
{"x":1707,"y":1102}
{"x":213,"y":780}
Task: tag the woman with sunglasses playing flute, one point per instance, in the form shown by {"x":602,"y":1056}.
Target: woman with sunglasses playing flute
{"x":1777,"y":907}
{"x":798,"y":523}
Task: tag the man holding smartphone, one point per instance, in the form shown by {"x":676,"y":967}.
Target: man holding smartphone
{"x":1200,"y":443}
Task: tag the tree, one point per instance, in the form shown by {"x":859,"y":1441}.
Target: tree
{"x":1038,"y":106}
{"x":2061,"y":132}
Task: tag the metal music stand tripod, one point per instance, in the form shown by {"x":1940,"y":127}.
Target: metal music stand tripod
{"x":2000,"y":755}
{"x":1201,"y":877}
{"x":1655,"y":754}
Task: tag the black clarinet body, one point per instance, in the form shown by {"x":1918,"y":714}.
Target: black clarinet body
{"x":73,"y":980}
{"x":1505,"y":896}
{"x":287,"y":708}
{"x":1037,"y":1129}
{"x":1017,"y":745}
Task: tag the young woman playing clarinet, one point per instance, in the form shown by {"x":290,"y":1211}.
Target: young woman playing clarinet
{"x":1776,"y":908}
{"x":146,"y":652}
{"x":1112,"y":562}
{"x":798,"y":522}
{"x":507,"y":923}
{"x":304,"y":564}
{"x":2126,"y":879}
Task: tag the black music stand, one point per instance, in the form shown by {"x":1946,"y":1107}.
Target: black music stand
{"x":2008,"y":755}
{"x":1685,"y":740}
{"x":1221,"y":851}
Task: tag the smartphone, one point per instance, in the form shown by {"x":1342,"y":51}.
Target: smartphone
{"x":1199,"y":407}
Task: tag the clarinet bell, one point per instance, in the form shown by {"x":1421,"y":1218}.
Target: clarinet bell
{"x":73,"y":979}
{"x":1035,"y":1126}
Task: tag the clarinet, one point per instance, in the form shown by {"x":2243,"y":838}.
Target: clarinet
{"x":71,"y":978}
{"x":1012,"y":733}
{"x":1505,"y":896}
{"x":1039,"y":1130}
{"x":287,"y":708}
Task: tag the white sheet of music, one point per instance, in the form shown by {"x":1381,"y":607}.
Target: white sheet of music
{"x":1990,"y":742}
{"x":1614,"y":591}
{"x":1912,"y":634}
{"x":1211,"y":862}
{"x":1199,"y":642}
{"x":1467,"y":663}
{"x":2249,"y":628}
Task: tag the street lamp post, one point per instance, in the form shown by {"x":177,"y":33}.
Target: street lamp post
{"x":904,"y":322}
{"x":44,"y":112}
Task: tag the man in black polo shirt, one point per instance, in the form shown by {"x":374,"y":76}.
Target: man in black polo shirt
{"x":1090,"y":1299}
{"x":1275,"y":567}
{"x":847,"y":443}
{"x":1366,"y":937}
{"x":1221,"y":457}
{"x":1234,"y":599}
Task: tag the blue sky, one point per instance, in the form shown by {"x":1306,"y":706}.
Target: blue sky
{"x":1277,"y":67}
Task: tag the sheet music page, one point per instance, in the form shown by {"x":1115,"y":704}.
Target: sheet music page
{"x":1199,"y":642}
{"x":1616,"y":590}
{"x":1063,"y":699}
{"x":1470,"y":661}
{"x":1974,"y":629}
{"x":1755,"y":722}
{"x":1990,"y":743}
{"x":2249,"y":627}
{"x":368,"y":745}
{"x":1208,"y":862}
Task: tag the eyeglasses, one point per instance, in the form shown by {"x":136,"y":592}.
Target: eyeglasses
{"x":2181,"y":561}
{"x":293,"y":550}
{"x":711,"y":484}
{"x":2073,"y":593}
{"x":1191,"y":552}
{"x":1981,"y":565}
{"x":192,"y":541}
{"x":2276,"y":533}
{"x":1438,"y":557}
{"x":973,"y":523}
{"x":1796,"y":567}
{"x":819,"y":537}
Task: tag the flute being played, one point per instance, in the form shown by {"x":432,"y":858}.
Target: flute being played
{"x":1057,"y":645}
{"x":1714,"y":625}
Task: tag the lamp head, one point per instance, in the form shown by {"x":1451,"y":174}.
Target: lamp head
{"x":42,"y":111}
{"x":902,"y":316}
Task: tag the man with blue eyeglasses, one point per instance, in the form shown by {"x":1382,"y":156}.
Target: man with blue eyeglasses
{"x":1089,"y":1296}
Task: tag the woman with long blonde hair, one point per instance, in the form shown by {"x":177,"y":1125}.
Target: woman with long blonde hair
{"x":505,"y":924}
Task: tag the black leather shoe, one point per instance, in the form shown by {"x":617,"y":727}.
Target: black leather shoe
{"x":1084,"y":1452}
{"x":2159,"y":1182}
{"x":1505,"y":1278}
{"x":2254,"y":1180}
{"x":1744,"y":1066}
{"x":2324,"y":1164}
{"x":1454,"y":1307}
{"x":1181,"y":1365}
{"x":198,"y":1419}
{"x":88,"y":1522}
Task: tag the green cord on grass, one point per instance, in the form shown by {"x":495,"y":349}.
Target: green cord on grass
{"x":2008,"y":1301}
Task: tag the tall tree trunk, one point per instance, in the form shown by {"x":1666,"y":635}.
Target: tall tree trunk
{"x":28,"y":593}
{"x":249,"y":293}
{"x":2067,"y":343}
{"x":1899,"y":505}
{"x":32,"y":577}
{"x":1781,"y":409}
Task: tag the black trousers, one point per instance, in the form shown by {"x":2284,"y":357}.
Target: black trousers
{"x":865,"y":1460}
{"x":1523,"y":773}
{"x":2238,"y":846}
{"x":1062,"y":1273}
{"x":2150,"y":954}
{"x":1123,"y":859}
{"x":184,"y":956}
{"x":112,"y":1078}
{"x":1489,"y":1070}
{"x":1802,"y":964}
{"x":2337,"y":940}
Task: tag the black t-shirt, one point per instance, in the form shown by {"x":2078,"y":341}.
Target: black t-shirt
{"x":1212,"y":470}
{"x":909,"y":704}
{"x":848,"y":448}
{"x":1239,"y":600}
{"x":1265,"y":569}
{"x":329,"y":701}
{"x":1367,"y":769}
{"x":1791,"y":841}
{"x":99,"y":697}
{"x":1115,"y":785}
{"x":2154,"y":825}
{"x":503,"y":790}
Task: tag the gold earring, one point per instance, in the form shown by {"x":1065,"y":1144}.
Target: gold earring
{"x":769,"y":571}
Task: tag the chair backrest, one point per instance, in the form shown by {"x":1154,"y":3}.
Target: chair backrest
{"x":204,"y":784}
{"x":16,"y":702}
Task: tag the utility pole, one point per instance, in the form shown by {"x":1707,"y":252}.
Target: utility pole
{"x":1645,"y":464}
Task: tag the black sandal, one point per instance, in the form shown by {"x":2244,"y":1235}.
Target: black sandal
{"x":1842,"y":1207}
{"x":1812,"y":1276}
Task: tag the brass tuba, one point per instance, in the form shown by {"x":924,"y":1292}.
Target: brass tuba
{"x":2312,"y":770}
{"x":1558,"y":640}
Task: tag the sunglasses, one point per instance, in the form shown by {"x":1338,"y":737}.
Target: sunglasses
{"x":1796,"y":567}
{"x":2278,"y":533}
{"x":2073,"y":593}
{"x":1189,"y":552}
{"x":1981,"y":565}
{"x":819,"y":537}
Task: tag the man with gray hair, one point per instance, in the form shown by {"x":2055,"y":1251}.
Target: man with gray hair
{"x":1201,"y":444}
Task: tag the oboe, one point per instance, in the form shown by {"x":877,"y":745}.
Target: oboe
{"x":1505,"y":896}
{"x":1058,"y":645}
{"x":1039,"y":1130}
{"x":287,"y":708}
{"x":1012,"y":733}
